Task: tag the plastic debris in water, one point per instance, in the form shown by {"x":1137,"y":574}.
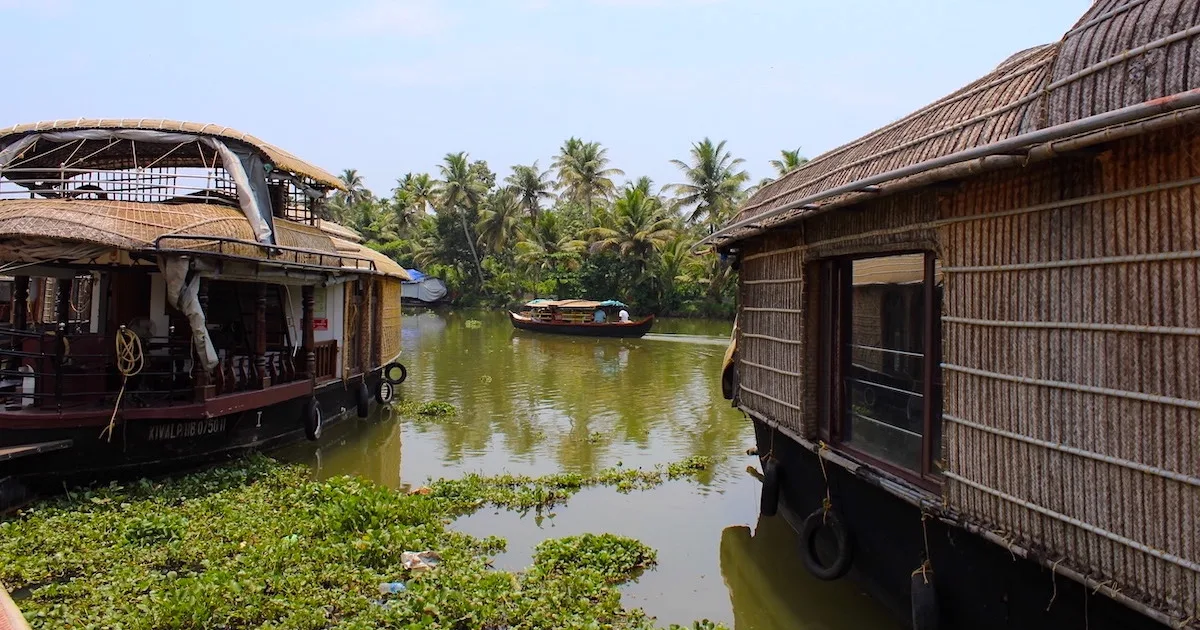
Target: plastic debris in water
{"x":417,"y":562}
{"x":390,"y":588}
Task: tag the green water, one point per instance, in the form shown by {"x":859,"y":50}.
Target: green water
{"x":534,"y":403}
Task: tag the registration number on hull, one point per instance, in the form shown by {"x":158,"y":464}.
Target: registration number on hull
{"x":188,"y":429}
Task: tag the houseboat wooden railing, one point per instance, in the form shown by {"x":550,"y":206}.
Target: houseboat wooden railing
{"x":1014,"y":414}
{"x":171,"y":295}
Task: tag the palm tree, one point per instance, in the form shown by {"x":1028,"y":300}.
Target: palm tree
{"x":498,"y":223}
{"x":714,"y":182}
{"x":461,"y":192}
{"x":356,"y":191}
{"x":420,"y":188}
{"x":583,"y":173}
{"x":531,"y":186}
{"x":638,"y":229}
{"x":543,"y":246}
{"x":789,"y":160}
{"x":644,"y":184}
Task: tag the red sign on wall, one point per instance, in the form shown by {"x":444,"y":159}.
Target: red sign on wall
{"x":320,"y":323}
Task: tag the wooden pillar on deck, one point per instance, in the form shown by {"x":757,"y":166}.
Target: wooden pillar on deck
{"x":260,"y":336}
{"x":308,"y":358}
{"x":200,"y":375}
{"x":364,"y":325}
{"x":20,"y":307}
{"x":63,"y":305}
{"x":62,"y":318}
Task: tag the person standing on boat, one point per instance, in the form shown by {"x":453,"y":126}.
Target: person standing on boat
{"x":599,"y":316}
{"x":623,"y":316}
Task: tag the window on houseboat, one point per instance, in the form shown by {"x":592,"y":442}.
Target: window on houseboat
{"x":884,"y":319}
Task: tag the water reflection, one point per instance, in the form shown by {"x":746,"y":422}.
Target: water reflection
{"x":769,"y":588}
{"x":534,"y":403}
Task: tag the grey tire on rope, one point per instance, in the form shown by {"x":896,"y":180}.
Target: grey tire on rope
{"x":363,"y":399}
{"x":818,"y":520}
{"x":384,"y":392}
{"x":924,"y":601}
{"x":769,"y":501}
{"x":312,"y":419}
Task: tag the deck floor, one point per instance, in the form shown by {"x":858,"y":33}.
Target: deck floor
{"x":21,"y":450}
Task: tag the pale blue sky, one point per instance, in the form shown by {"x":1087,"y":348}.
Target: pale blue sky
{"x":389,"y":86}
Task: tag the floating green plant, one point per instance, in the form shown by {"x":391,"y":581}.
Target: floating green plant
{"x":473,"y":323}
{"x":429,"y":409}
{"x":258,"y":544}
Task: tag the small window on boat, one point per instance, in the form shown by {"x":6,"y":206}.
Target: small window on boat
{"x":881,"y":353}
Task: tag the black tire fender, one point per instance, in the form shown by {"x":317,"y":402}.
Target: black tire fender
{"x":769,"y":501}
{"x":395,"y":373}
{"x":313,"y":422}
{"x":924,"y":600}
{"x":385,"y":392}
{"x":363,"y":399}
{"x":815,"y":522}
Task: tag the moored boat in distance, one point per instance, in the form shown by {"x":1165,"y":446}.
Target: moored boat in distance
{"x":173,"y":296}
{"x":584,"y":318}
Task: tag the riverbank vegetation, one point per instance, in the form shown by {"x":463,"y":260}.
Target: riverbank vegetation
{"x":566,"y":230}
{"x":258,"y":544}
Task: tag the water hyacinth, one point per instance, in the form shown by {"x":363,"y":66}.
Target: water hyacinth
{"x":258,"y":544}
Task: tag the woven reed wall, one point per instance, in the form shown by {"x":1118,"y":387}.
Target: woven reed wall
{"x":1071,"y":350}
{"x":771,"y":341}
{"x":390,"y":326}
{"x":1093,"y":353}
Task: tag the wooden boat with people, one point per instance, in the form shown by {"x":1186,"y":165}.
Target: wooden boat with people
{"x":170,"y":294}
{"x":585,"y":318}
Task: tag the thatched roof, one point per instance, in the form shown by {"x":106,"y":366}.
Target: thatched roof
{"x":383,"y":264}
{"x":135,"y":226}
{"x":1120,"y":53}
{"x":339,"y":231}
{"x":572,"y":304}
{"x":280,"y":158}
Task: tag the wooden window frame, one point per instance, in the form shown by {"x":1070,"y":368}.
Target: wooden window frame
{"x":831,"y":278}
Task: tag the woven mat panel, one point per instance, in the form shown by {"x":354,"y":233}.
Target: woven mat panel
{"x":771,"y":343}
{"x":1071,"y":341}
{"x":130,"y":226}
{"x":391,"y":316}
{"x":989,"y":109}
{"x":1120,"y":53}
{"x":1139,"y":51}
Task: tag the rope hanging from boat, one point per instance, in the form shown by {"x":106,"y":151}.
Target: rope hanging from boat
{"x":130,"y":361}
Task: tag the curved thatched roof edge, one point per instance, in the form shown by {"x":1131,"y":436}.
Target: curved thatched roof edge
{"x":103,"y":225}
{"x":282,"y":159}
{"x":1119,"y":54}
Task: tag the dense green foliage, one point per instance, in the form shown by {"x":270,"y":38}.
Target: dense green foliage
{"x":260,"y":545}
{"x":568,"y":232}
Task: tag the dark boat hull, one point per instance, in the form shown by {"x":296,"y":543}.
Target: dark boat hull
{"x":614,"y":329}
{"x":979,"y":584}
{"x":157,"y":445}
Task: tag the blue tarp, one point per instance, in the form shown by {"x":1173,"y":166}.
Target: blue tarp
{"x":613,"y":303}
{"x":416,"y":276}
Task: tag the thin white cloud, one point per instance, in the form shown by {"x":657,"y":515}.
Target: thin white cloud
{"x":389,"y":17}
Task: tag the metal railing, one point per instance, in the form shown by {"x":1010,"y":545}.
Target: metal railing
{"x":277,"y":254}
{"x":50,"y":370}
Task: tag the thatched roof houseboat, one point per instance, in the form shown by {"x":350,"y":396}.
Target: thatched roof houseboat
{"x":970,"y":341}
{"x":169,"y":294}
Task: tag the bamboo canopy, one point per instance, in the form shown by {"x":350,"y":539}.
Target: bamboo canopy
{"x":280,"y":158}
{"x":1120,"y":53}
{"x":31,"y":227}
